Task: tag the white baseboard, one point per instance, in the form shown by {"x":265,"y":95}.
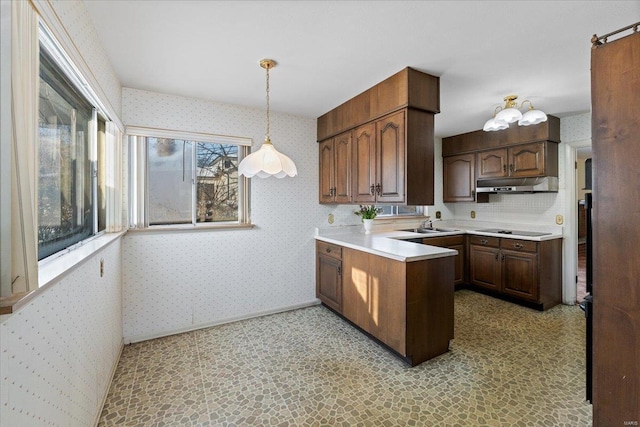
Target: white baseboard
{"x":106,"y":391}
{"x":145,"y":337}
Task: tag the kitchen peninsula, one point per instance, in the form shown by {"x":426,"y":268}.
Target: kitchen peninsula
{"x":398,"y":292}
{"x":398,"y":285}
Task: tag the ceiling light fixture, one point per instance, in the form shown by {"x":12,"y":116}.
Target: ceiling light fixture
{"x":510,"y":113}
{"x":267,"y":161}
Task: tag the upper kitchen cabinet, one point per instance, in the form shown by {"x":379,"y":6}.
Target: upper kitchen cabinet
{"x":459,"y":181}
{"x":391,"y":126}
{"x":526,"y":160}
{"x":335,"y":169}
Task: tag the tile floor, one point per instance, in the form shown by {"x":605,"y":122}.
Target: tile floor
{"x":508,"y":366}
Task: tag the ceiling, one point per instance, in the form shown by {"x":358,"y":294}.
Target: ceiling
{"x":330,"y":51}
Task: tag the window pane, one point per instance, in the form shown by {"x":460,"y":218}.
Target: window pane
{"x":217,"y":182}
{"x":170,"y":174}
{"x":65,"y":213}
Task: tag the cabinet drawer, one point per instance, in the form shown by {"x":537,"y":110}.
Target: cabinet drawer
{"x":444,"y":241}
{"x":519,"y":245}
{"x":328,"y":249}
{"x":492,"y":242}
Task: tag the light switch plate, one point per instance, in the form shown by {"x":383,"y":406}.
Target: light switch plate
{"x":473,"y":214}
{"x":559,"y":219}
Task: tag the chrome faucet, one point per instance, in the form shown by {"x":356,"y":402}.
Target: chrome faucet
{"x":427,"y":224}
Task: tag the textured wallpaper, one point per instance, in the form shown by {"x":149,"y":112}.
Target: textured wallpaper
{"x":180,"y":280}
{"x":59,"y":350}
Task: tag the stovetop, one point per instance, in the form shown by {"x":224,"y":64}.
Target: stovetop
{"x":514,"y":232}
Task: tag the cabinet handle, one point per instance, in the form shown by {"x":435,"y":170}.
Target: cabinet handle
{"x":379,"y":189}
{"x":484,"y":241}
{"x":328,"y":250}
{"x":372,"y":189}
{"x":502,"y":257}
{"x":518,"y":245}
{"x":504,"y":168}
{"x":339,"y":270}
{"x":496,"y":256}
{"x":511,"y":168}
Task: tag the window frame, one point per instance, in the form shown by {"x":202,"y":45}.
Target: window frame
{"x":138,"y":145}
{"x":66,"y":67}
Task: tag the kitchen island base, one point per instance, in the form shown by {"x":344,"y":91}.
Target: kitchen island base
{"x":407,"y":306}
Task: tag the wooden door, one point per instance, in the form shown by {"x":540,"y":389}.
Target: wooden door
{"x":520,"y":274}
{"x":492,"y":164}
{"x":459,"y":180}
{"x":342,"y":169}
{"x":485,"y":267}
{"x":391,"y":162}
{"x":364,"y":163}
{"x":527,"y":160}
{"x":327,"y":172}
{"x":615,"y":91}
{"x":329,"y":281}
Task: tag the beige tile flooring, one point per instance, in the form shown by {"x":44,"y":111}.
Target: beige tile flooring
{"x":508,"y":366}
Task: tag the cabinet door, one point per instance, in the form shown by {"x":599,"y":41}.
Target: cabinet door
{"x":527,"y":160}
{"x":326,"y":171}
{"x":459,"y":180}
{"x":391,"y":163}
{"x":492,"y":163}
{"x":342,"y":169}
{"x":520,"y":274}
{"x":485,"y":266}
{"x":459,"y":264}
{"x":329,"y":281}
{"x":364,"y":163}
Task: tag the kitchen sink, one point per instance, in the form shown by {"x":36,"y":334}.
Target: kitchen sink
{"x":429,"y":230}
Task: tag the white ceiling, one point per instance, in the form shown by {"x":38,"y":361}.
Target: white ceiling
{"x":329,"y":51}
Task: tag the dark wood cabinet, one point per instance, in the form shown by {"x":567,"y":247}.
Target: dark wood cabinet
{"x":615,"y":90}
{"x":492,"y":164}
{"x":329,"y":275}
{"x":452,"y":242}
{"x":335,"y":169}
{"x":526,"y":270}
{"x":485,"y":267}
{"x":392,"y":132}
{"x":459,"y":181}
{"x":526,"y":160}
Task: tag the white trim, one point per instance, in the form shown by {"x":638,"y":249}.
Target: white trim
{"x":570,"y":252}
{"x":107,"y":387}
{"x":188,"y":136}
{"x":145,"y":337}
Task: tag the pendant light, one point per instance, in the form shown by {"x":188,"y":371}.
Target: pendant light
{"x":267,"y":161}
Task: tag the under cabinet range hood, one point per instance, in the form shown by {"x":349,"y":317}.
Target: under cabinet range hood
{"x":545,"y":184}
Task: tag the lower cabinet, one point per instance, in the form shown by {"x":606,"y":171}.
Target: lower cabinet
{"x":329,"y":275}
{"x":408,"y":306}
{"x":527,"y":270}
{"x":452,"y":242}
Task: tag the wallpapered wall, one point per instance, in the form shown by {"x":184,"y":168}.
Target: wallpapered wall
{"x":57,"y":352}
{"x":181,"y":280}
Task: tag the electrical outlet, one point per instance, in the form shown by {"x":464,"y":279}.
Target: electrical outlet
{"x":559,"y":219}
{"x":101,"y":267}
{"x":330,"y":219}
{"x":438,"y":214}
{"x":473,"y":214}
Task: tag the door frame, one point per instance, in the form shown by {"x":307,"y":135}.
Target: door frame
{"x":570,"y":252}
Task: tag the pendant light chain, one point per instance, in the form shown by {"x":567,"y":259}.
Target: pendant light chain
{"x":268,"y":107}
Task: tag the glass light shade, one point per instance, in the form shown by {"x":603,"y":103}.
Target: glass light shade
{"x":509,"y":115}
{"x":495,"y":124}
{"x":532,"y":117}
{"x":266,"y":162}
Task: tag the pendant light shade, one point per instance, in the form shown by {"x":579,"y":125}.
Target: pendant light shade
{"x":267,"y":161}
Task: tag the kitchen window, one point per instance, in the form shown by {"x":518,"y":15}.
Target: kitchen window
{"x":70,"y":155}
{"x":180,"y":180}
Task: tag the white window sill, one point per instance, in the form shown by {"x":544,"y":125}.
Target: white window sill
{"x":53,"y":268}
{"x":190,"y":227}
